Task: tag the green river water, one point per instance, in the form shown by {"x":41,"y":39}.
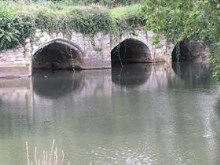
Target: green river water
{"x":136,"y":115}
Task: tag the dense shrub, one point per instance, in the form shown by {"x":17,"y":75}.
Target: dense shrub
{"x":14,"y":29}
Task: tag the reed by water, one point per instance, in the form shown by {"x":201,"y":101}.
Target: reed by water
{"x":50,"y":157}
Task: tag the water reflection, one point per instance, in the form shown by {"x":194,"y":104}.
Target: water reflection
{"x":94,"y":118}
{"x":193,"y":74}
{"x":130,"y":75}
{"x":56,"y":84}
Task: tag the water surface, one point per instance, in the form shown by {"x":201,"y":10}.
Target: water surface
{"x":138,"y":114}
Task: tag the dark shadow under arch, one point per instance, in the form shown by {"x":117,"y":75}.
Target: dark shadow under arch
{"x":182,"y":53}
{"x":58,"y":54}
{"x":131,"y":51}
{"x":190,"y":51}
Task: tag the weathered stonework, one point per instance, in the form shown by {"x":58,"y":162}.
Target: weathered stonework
{"x":85,"y":52}
{"x":96,"y":50}
{"x":159,"y":53}
{"x":16,"y":62}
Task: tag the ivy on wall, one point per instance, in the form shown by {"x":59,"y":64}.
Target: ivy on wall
{"x":19,"y":21}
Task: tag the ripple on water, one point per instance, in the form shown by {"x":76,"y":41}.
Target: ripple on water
{"x":125,"y":156}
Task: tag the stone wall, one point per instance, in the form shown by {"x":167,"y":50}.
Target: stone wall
{"x":16,"y":62}
{"x":92,"y":52}
{"x":96,"y":50}
{"x":159,"y":53}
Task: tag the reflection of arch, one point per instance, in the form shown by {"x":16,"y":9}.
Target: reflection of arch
{"x":130,"y":75}
{"x":56,"y":84}
{"x":193,"y":73}
{"x":130,"y":51}
{"x":58,"y":54}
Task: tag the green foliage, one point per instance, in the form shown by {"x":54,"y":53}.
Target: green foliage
{"x":128,"y":18}
{"x":109,"y":3}
{"x":186,"y":19}
{"x":13,"y":29}
{"x":131,"y":14}
{"x":18,"y":21}
{"x":87,"y":21}
{"x":101,"y":2}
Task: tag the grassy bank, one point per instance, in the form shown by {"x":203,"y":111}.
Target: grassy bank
{"x":19,"y":20}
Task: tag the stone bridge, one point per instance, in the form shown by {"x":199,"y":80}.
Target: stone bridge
{"x":78,"y":51}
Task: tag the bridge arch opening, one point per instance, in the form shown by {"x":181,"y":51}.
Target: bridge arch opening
{"x":58,"y":54}
{"x":181,"y":52}
{"x":190,"y":51}
{"x":130,"y":51}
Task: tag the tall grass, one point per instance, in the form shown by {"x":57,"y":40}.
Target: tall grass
{"x":50,"y":157}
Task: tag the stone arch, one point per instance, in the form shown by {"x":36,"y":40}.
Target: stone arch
{"x":181,"y":52}
{"x":131,"y":51}
{"x":189,"y":51}
{"x":58,"y":54}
